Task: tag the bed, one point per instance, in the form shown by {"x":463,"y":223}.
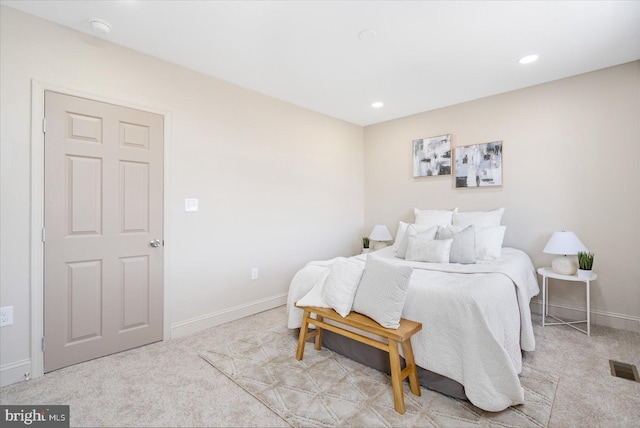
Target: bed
{"x":476,"y":319}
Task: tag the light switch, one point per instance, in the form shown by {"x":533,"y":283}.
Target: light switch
{"x":190,"y":205}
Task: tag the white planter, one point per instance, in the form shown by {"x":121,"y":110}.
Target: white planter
{"x":585,"y":274}
{"x":365,"y":250}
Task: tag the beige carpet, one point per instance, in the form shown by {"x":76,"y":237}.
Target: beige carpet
{"x":327,"y":389}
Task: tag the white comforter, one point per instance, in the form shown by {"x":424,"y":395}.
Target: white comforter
{"x":475,"y":320}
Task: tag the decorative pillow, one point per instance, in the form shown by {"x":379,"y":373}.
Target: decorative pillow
{"x":478,"y":218}
{"x":382,"y":292}
{"x":412,"y":230}
{"x":402,"y":229}
{"x":489,"y":242}
{"x":341,"y":285}
{"x":314,"y":296}
{"x":434,"y":217}
{"x":432,"y":251}
{"x":463,"y":248}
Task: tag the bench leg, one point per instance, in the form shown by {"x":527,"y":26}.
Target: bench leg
{"x":396,"y":377}
{"x":318,"y":341}
{"x":303,"y":335}
{"x":411,"y":364}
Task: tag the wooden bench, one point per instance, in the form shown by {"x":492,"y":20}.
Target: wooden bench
{"x":401,"y":335}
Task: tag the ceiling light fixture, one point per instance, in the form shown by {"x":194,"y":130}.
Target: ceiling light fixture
{"x":528,"y":59}
{"x":100,"y":26}
{"x":377,"y":104}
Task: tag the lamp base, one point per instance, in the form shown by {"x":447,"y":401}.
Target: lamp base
{"x":377,"y":245}
{"x":565,"y":265}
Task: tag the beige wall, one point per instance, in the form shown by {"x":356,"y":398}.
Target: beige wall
{"x":278,"y":185}
{"x":571,"y":161}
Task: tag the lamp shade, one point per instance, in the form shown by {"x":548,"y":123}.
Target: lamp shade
{"x":380,"y":233}
{"x":564,"y":243}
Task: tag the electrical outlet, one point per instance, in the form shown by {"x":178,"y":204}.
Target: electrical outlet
{"x":254,"y":273}
{"x":6,"y":315}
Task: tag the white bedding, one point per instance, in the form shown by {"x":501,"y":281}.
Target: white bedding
{"x":475,"y":320}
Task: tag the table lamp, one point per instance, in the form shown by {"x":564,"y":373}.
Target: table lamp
{"x":380,"y":234}
{"x":567,"y":245}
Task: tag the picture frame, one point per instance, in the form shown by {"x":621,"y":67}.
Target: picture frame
{"x":478,"y":165}
{"x":432,"y":156}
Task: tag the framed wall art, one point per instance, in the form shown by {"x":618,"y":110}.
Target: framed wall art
{"x":479,"y":165}
{"x":432,"y":156}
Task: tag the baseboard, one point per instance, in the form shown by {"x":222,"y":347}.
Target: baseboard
{"x":607,"y":319}
{"x":21,"y":370}
{"x":15,"y":372}
{"x":184,"y":328}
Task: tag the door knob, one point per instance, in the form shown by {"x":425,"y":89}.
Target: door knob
{"x":155,"y":243}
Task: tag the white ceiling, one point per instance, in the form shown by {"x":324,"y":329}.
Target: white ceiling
{"x":425,"y":55}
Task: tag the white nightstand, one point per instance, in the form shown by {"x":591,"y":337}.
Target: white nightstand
{"x":547,"y":273}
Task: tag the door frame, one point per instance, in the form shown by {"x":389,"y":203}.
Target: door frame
{"x":38,"y":89}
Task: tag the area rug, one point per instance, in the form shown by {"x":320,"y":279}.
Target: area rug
{"x":326,"y":389}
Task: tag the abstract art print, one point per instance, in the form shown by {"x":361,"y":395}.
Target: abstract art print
{"x":432,"y":156}
{"x":479,"y":165}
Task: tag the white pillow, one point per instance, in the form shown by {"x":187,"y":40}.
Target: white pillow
{"x":402,"y":229}
{"x":478,"y":218}
{"x":314,"y":296}
{"x":434,"y":217}
{"x":489,"y":242}
{"x":463,"y":248}
{"x":412,"y":230}
{"x":432,"y":251}
{"x":341,"y":285}
{"x":382,"y":292}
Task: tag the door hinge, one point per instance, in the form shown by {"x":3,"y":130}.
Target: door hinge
{"x":44,"y":125}
{"x":44,"y":234}
{"x":42,"y":343}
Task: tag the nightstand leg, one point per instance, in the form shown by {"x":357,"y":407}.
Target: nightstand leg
{"x":544,"y":298}
{"x":546,"y":285}
{"x":588,"y":311}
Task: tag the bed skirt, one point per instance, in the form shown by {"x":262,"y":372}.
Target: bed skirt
{"x":379,"y":360}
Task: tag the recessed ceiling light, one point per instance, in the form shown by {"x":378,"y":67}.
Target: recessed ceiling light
{"x":528,"y":59}
{"x":100,"y":26}
{"x":366,"y":34}
{"x":377,"y":104}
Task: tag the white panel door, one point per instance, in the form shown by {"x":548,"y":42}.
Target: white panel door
{"x":103,"y":290}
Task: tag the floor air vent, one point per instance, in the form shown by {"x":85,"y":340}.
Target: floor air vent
{"x":624,"y":370}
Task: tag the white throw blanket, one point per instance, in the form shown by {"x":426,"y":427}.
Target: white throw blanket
{"x":475,"y":321}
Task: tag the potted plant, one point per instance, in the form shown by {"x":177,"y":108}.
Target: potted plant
{"x":365,"y":244}
{"x":585,"y":264}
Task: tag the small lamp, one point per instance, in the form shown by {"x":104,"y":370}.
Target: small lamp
{"x":567,"y":244}
{"x":380,"y":234}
